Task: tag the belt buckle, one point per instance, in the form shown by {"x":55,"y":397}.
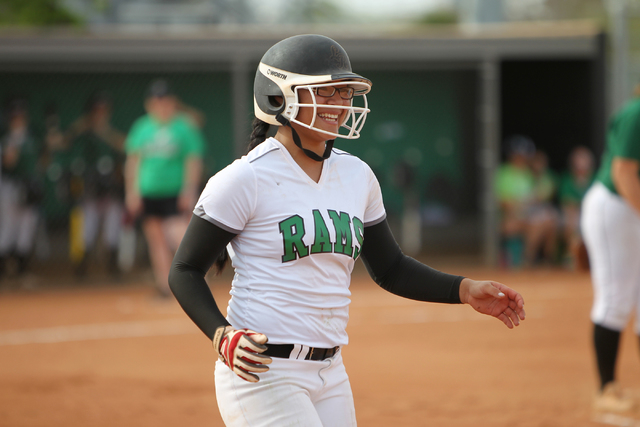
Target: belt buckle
{"x":321,"y":353}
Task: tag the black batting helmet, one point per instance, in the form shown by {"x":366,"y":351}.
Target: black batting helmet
{"x":305,"y":62}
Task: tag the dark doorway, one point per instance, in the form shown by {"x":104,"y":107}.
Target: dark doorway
{"x":556,"y":103}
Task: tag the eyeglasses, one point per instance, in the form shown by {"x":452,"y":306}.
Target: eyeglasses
{"x":328,"y":91}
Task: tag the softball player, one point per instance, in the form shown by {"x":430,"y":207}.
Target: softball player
{"x":610,"y":226}
{"x":296,"y":212}
{"x":99,"y":148}
{"x":162,"y":176}
{"x":19,"y":188}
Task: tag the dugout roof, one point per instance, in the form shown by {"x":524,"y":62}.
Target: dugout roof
{"x":144,"y":47}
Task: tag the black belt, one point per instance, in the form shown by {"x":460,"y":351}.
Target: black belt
{"x":285,"y":351}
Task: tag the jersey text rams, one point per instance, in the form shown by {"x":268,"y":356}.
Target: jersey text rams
{"x":345,"y":226}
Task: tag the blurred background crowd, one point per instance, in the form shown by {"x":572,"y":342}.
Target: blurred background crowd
{"x":540,"y":208}
{"x":70,"y":183}
{"x":453,"y":178}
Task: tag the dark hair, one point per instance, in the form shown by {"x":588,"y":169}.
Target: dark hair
{"x":97,"y":98}
{"x":258,"y":133}
{"x":258,"y":136}
{"x":16,"y":105}
{"x":221,"y":262}
{"x":520,"y":144}
{"x":159,"y":88}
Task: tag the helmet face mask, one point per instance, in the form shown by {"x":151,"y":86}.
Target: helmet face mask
{"x":353,"y":120}
{"x":304,"y":63}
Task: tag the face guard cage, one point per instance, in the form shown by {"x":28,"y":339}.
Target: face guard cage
{"x":354,"y":119}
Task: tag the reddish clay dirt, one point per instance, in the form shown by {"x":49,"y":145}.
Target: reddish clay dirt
{"x":109,"y":356}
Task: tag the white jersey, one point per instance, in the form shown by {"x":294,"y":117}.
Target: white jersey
{"x":297,"y":241}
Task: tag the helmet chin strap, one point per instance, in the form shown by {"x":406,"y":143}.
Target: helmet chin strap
{"x":296,"y":140}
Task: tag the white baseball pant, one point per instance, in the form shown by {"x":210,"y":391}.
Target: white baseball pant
{"x":18,"y":223}
{"x":611,"y":231}
{"x":109,"y":211}
{"x":292,"y":393}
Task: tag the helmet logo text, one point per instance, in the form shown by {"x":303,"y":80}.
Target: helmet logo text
{"x":276,"y":74}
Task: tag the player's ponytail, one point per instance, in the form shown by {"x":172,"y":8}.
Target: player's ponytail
{"x":258,"y":133}
{"x":221,"y":262}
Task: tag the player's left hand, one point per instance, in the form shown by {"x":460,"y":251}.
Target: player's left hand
{"x":493,"y":299}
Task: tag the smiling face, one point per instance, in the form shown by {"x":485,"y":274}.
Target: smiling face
{"x":325,"y":117}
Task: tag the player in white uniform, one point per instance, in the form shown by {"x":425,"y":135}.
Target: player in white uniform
{"x":610,"y":226}
{"x":296,"y":213}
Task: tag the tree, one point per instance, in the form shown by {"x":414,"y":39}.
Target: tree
{"x":312,"y":12}
{"x":441,"y":16}
{"x":556,"y":9}
{"x":35,"y":13}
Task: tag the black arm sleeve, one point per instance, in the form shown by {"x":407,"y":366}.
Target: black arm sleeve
{"x":201,"y":245}
{"x":402,"y":275}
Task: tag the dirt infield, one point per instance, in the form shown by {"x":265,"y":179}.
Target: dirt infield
{"x":112,"y":356}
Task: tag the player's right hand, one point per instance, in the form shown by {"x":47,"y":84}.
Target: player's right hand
{"x":240,"y":350}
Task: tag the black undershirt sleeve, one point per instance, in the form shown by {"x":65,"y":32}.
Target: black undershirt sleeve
{"x":395,"y":272}
{"x":402,"y":275}
{"x":201,"y":245}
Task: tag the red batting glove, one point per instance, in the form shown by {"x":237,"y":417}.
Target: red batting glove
{"x":240,"y":350}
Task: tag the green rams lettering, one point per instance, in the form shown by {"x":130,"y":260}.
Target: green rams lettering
{"x":348,"y":231}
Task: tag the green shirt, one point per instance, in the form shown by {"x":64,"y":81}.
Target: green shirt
{"x":98,"y":163}
{"x":163,"y":149}
{"x":513,"y":184}
{"x":25,"y":168}
{"x":623,"y":140}
{"x":544,"y":186}
{"x":572,"y":191}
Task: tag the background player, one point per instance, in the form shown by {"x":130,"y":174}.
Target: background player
{"x":574,"y":183}
{"x":163,"y":175}
{"x":514,"y":186}
{"x":610,"y":226}
{"x":20,"y":187}
{"x":99,"y":147}
{"x":297,"y":213}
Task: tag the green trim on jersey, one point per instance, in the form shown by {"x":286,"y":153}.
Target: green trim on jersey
{"x":163,"y":149}
{"x":623,"y":140}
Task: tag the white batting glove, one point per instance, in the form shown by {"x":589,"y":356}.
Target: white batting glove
{"x":240,"y":350}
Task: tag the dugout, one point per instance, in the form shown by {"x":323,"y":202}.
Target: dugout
{"x":442,"y":103}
